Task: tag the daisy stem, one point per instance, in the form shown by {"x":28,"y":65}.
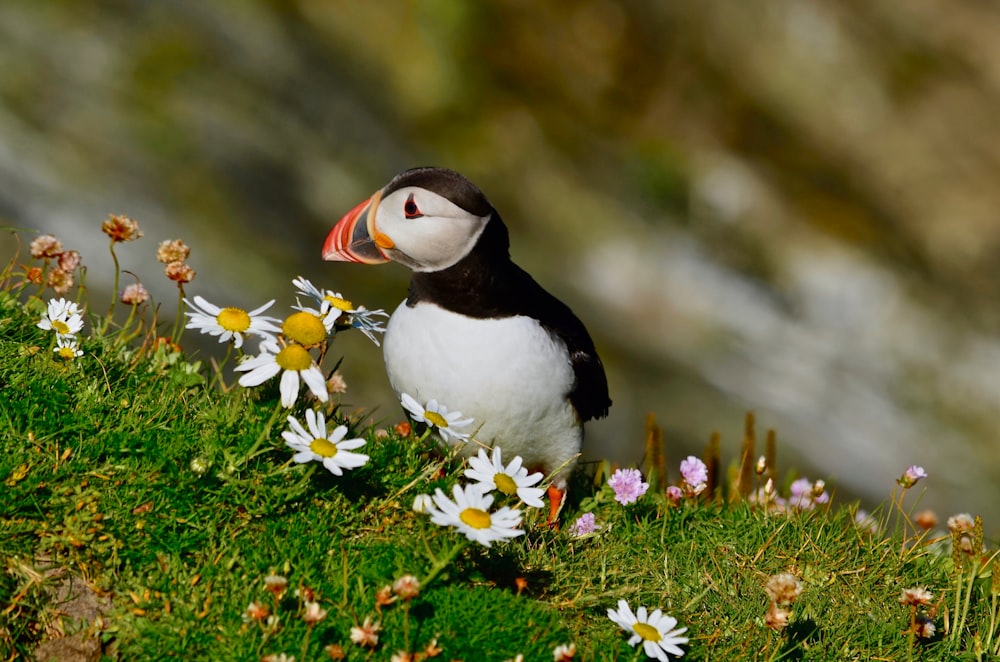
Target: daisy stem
{"x":219,"y":366}
{"x":264,"y":434}
{"x":442,"y":563}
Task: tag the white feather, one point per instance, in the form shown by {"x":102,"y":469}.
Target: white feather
{"x":509,"y":374}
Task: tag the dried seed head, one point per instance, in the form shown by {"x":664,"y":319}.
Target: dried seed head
{"x":179,"y":271}
{"x":45,"y":245}
{"x":121,"y":228}
{"x":916,"y":597}
{"x":134,"y":294}
{"x":783,"y":588}
{"x":926,"y":519}
{"x":406,"y":587}
{"x":172,"y":250}
{"x":776,"y":617}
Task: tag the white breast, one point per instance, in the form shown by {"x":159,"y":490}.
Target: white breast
{"x":509,"y":374}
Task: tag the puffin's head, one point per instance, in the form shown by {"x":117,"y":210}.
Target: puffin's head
{"x":426,"y":218}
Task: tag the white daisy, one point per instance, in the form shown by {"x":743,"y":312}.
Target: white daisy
{"x":315,"y":444}
{"x":335,"y":310}
{"x":655,"y":631}
{"x":231,"y":323}
{"x":67,"y":347}
{"x":294,"y":361}
{"x":63,"y":317}
{"x":364,"y":320}
{"x":470,"y":514}
{"x":512,"y":479}
{"x":438,"y":416}
{"x":329,"y":305}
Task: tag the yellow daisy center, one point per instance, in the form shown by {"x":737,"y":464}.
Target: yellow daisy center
{"x":60,"y":327}
{"x":476,"y":518}
{"x":647,"y":632}
{"x":305,"y":328}
{"x":67,"y":352}
{"x":294,"y":357}
{"x":235,"y":320}
{"x":323,"y":447}
{"x":505,"y":484}
{"x":338,"y":303}
{"x":436,"y":418}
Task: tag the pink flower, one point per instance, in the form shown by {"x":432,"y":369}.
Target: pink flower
{"x":911,"y":476}
{"x":584,"y":524}
{"x":695,"y":474}
{"x":674,"y":494}
{"x":627,"y":485}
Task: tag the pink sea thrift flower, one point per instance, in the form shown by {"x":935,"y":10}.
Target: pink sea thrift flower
{"x":695,"y":475}
{"x":584,"y":525}
{"x":627,"y":485}
{"x":911,"y":476}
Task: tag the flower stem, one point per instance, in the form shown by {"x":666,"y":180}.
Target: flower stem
{"x":175,"y":336}
{"x":114,"y":292}
{"x":442,"y":563}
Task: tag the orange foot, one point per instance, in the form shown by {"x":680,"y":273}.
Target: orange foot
{"x":556,"y":497}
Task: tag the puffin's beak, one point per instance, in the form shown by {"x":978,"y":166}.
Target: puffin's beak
{"x":354,"y":237}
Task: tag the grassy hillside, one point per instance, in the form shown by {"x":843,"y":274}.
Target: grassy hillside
{"x":151,"y":509}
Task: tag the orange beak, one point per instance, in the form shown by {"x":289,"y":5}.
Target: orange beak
{"x":355,"y":239}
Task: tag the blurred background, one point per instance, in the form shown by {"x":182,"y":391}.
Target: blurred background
{"x":787,"y":206}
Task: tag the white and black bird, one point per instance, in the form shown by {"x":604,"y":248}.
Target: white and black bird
{"x":476,"y":332}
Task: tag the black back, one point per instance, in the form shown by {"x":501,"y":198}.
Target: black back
{"x":486,"y":284}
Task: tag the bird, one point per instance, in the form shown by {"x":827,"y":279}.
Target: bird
{"x":476,"y":332}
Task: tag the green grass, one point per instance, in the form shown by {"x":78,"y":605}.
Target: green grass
{"x":174,"y":499}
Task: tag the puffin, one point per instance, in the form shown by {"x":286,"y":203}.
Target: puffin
{"x":476,"y":332}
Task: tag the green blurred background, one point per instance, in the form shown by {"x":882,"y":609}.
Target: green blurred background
{"x":785,"y":206}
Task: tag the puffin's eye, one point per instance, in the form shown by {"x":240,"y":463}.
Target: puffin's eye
{"x":410,"y":209}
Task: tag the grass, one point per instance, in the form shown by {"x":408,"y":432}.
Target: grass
{"x":171,"y":499}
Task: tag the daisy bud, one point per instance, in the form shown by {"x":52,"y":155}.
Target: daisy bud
{"x":422,"y":502}
{"x":121,"y":228}
{"x":45,"y":245}
{"x":200,"y":466}
{"x":761,"y":465}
